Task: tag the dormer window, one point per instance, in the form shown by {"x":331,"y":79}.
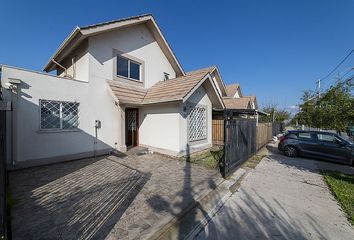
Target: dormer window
{"x":128,"y":68}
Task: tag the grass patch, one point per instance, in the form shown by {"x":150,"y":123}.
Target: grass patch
{"x":253,"y":161}
{"x":342,"y":187}
{"x":209,"y":159}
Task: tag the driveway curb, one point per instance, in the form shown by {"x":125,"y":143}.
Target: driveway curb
{"x":193,"y":219}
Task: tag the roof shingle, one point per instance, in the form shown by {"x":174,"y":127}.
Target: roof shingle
{"x":163,"y":91}
{"x":176,"y":88}
{"x":126,"y":93}
{"x":231,"y":89}
{"x":237,"y":103}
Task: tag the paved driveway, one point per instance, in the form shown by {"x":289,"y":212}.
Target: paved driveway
{"x":104,"y":198}
{"x":283,"y":198}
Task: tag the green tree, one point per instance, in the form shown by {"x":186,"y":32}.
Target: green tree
{"x":334,"y":110}
{"x":306,"y":114}
{"x":279,"y":115}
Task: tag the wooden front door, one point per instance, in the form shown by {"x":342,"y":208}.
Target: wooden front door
{"x":131,"y":127}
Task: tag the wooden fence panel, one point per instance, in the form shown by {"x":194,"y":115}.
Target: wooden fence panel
{"x":264,"y":134}
{"x":218,"y":132}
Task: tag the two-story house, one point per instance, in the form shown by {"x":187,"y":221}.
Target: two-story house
{"x":117,"y":85}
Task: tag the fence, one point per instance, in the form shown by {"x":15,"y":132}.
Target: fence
{"x":241,"y":139}
{"x":265,"y":131}
{"x":218,"y":132}
{"x":264,"y":134}
{"x":3,"y":180}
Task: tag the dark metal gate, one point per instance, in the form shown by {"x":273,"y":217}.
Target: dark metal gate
{"x":240,"y":143}
{"x":3,"y":178}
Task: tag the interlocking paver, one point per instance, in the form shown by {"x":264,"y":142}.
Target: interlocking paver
{"x":104,"y":198}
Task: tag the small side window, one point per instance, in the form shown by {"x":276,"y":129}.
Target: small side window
{"x":134,"y":70}
{"x":128,"y":68}
{"x":122,"y":67}
{"x":325,"y":137}
{"x":291,"y":135}
{"x":304,"y":135}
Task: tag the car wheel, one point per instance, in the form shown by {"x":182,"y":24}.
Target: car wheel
{"x":290,"y":151}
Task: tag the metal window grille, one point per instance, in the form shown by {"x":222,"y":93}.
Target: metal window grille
{"x":197,"y":124}
{"x":59,"y":115}
{"x":131,"y":120}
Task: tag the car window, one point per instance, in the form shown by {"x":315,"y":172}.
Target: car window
{"x":304,"y":135}
{"x":325,"y":137}
{"x":342,"y":139}
{"x":291,"y":135}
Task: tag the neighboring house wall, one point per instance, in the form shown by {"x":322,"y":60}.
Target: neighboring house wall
{"x":136,"y":41}
{"x":160,"y":127}
{"x":30,"y":143}
{"x":198,"y":98}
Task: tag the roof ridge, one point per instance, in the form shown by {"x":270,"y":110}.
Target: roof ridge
{"x":115,"y":21}
{"x":201,"y":69}
{"x":196,"y":84}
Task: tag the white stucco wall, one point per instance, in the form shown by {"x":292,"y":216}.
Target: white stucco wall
{"x":95,"y":103}
{"x":136,"y":41}
{"x":160,"y":127}
{"x":80,"y":69}
{"x":199,"y":97}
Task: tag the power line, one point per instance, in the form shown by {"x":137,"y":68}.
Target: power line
{"x":347,"y":71}
{"x":339,"y":64}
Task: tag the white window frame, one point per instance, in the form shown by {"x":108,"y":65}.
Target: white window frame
{"x":129,"y":61}
{"x":60,"y":116}
{"x":202,"y":138}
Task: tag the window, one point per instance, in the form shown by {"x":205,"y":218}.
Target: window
{"x":197,"y":124}
{"x":304,"y":135}
{"x":58,"y":115}
{"x":128,"y":68}
{"x":325,"y":137}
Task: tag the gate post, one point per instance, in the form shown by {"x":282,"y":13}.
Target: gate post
{"x":227,"y":116}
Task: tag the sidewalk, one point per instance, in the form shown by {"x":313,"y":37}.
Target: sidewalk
{"x":283,"y":198}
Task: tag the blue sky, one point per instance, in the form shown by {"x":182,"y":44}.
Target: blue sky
{"x":274,"y":49}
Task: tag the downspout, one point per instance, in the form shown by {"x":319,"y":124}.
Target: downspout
{"x":65,"y":70}
{"x":14,"y":117}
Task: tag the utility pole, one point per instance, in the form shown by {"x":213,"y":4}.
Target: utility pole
{"x":319,"y":88}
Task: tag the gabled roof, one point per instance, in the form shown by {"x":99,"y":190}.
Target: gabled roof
{"x":79,"y":34}
{"x":176,"y":89}
{"x":231,"y":89}
{"x":237,"y":103}
{"x":253,"y":99}
{"x":215,"y":72}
